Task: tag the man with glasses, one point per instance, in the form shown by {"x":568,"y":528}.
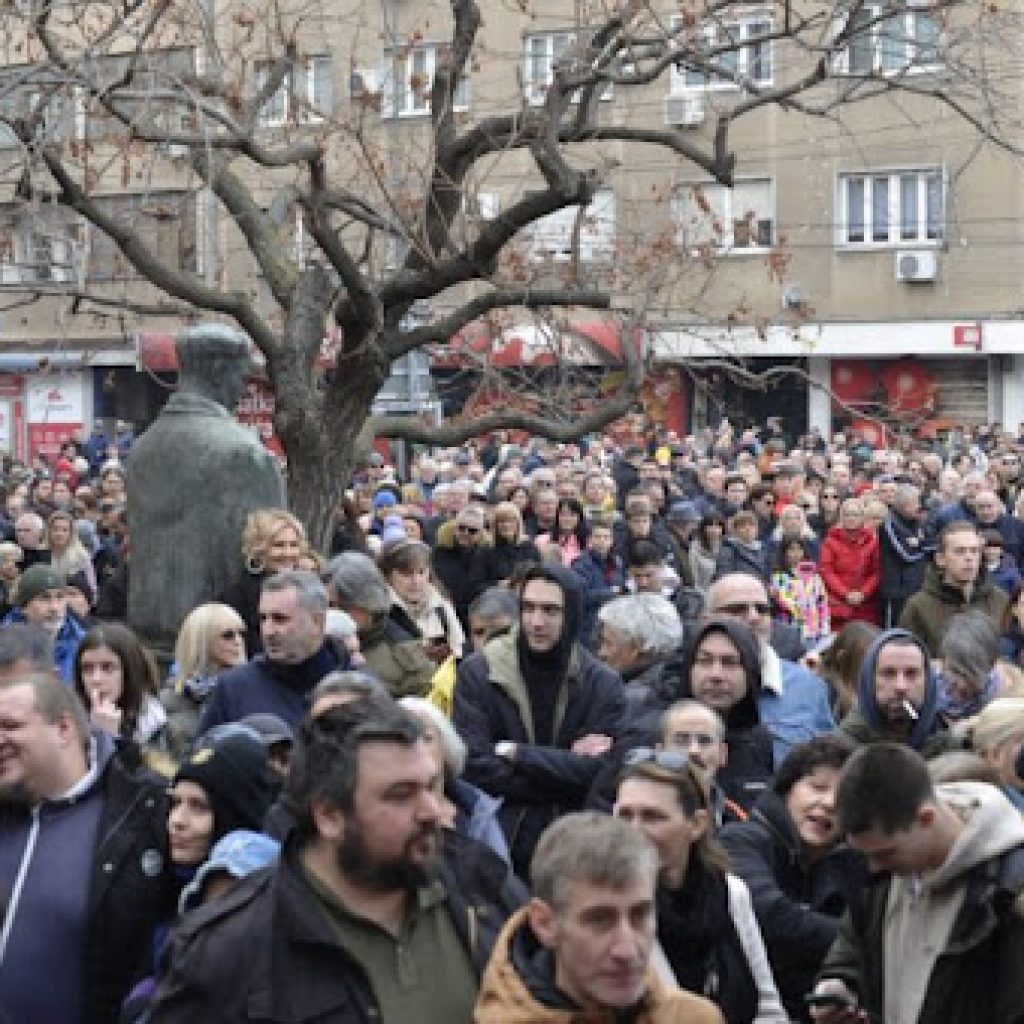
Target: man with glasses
{"x":537,"y":711}
{"x":460,"y":560}
{"x":762,"y":503}
{"x":793,"y":702}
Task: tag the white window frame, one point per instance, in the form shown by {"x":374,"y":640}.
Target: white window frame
{"x":881,"y":199}
{"x":40,"y":254}
{"x":721,"y":201}
{"x":894,"y":54}
{"x":551,"y":236}
{"x":682,"y":80}
{"x":407,"y":63}
{"x":298,"y":89}
{"x":555,"y":43}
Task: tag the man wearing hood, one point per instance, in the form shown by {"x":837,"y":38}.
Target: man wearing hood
{"x":939,"y":936}
{"x":537,"y":711}
{"x":84,"y":868}
{"x":723,"y":671}
{"x":898,"y":697}
{"x":955,"y":583}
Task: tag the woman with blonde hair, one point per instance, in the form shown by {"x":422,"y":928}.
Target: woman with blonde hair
{"x":997,"y":734}
{"x":210,"y":640}
{"x":273,"y":540}
{"x":67,"y":553}
{"x":511,"y":545}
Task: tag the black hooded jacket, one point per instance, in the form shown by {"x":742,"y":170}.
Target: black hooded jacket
{"x":542,"y":704}
{"x":750,"y":764}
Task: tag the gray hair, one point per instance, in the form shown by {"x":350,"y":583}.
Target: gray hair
{"x":593,"y":848}
{"x":971,"y":645}
{"x":906,"y":494}
{"x":311,"y":593}
{"x":34,"y":519}
{"x":496,"y":603}
{"x":649,"y":620}
{"x":355,"y":684}
{"x":358,"y":583}
{"x":455,"y":752}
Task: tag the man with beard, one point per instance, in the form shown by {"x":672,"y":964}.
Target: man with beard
{"x":368,"y":914}
{"x":83,"y":856}
{"x":898,"y":697}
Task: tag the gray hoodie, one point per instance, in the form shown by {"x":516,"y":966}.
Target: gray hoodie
{"x":922,"y":909}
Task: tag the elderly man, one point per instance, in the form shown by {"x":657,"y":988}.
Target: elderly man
{"x":296,"y":656}
{"x":903,"y":552}
{"x":368,"y":915}
{"x":391,"y":646}
{"x":29,"y":531}
{"x":793,"y":702}
{"x":41,"y":600}
{"x":990,"y":515}
{"x":581,"y":950}
{"x":84,"y":863}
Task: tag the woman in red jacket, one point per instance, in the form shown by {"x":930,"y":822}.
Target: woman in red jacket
{"x":849,"y":566}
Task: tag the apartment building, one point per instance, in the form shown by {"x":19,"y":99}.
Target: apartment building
{"x":875,"y":251}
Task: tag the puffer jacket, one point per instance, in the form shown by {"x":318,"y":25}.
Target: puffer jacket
{"x":929,"y":611}
{"x":393,"y":652}
{"x":850,"y":561}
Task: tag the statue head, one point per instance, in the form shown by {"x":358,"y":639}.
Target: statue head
{"x":213,"y":361}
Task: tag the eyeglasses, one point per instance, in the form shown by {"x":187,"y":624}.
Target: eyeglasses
{"x":463,"y":528}
{"x":743,"y":607}
{"x":828,"y":494}
{"x":231,"y":634}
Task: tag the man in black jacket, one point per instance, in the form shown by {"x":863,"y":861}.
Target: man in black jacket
{"x":368,"y":916}
{"x":903,"y":551}
{"x":84,"y":866}
{"x":538,"y":712}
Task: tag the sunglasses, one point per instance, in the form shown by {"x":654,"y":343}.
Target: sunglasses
{"x":231,"y":634}
{"x":462,"y":528}
{"x":742,"y":607}
{"x":676,"y":761}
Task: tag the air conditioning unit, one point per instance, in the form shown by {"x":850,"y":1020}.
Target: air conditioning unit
{"x":684,"y":109}
{"x":917,"y":265}
{"x":363,"y":83}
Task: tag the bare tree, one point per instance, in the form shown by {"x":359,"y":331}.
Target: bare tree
{"x":383,"y":223}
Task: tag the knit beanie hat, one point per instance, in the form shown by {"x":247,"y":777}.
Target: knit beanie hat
{"x":36,"y":580}
{"x":233,"y":772}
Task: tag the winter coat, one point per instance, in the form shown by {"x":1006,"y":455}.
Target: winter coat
{"x":802,"y":600}
{"x":967,"y":971}
{"x":519,"y":988}
{"x":702,"y":565}
{"x":849,"y":561}
{"x":65,"y":646}
{"x":903,"y":556}
{"x":130,"y":886}
{"x":736,"y":556}
{"x":267,"y":951}
{"x":798,"y":903}
{"x":393,"y":652}
{"x":603,"y":580}
{"x":501,"y":559}
{"x":542,"y":782}
{"x":262,"y":686}
{"x":929,"y":612}
{"x":183,"y":701}
{"x":1005,"y":575}
{"x":463,"y":572}
{"x":866,"y":724}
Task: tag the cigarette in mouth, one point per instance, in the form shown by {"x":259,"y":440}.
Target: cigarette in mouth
{"x":911,"y":711}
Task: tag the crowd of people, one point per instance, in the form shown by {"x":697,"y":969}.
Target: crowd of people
{"x":722,"y":728}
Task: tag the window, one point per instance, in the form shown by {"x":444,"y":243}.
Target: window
{"x":551,"y":237}
{"x":164,"y":221}
{"x":38,"y":249}
{"x":737,"y":219}
{"x":750,"y":55}
{"x":891,"y":208}
{"x":408,"y":79}
{"x":63,"y":112}
{"x":543,"y":52}
{"x":306,"y":94}
{"x":905,"y":40}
